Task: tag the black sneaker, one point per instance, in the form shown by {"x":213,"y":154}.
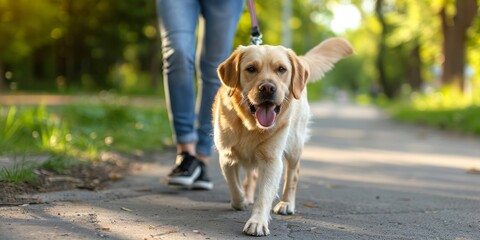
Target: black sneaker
{"x":203,"y":181}
{"x":187,"y":170}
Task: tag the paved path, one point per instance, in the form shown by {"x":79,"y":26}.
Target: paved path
{"x":362,"y":177}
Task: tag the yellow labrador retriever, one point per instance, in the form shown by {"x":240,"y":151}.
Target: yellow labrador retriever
{"x":260,"y":118}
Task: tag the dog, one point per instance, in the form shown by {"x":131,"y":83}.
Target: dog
{"x":260,"y":118}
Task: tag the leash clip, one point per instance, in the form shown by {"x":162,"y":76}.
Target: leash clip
{"x":256,"y":40}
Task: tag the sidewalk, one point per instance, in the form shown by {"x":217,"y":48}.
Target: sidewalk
{"x":362,"y":177}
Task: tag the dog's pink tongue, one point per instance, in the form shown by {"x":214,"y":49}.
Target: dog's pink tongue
{"x":266,"y":115}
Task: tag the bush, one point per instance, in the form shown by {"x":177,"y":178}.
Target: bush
{"x":446,"y":109}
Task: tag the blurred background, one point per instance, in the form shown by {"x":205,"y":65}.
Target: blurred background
{"x":425,"y":52}
{"x":91,"y":45}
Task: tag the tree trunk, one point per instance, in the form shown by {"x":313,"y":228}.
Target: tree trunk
{"x":454,"y":39}
{"x":415,"y":75}
{"x":2,"y":79}
{"x":380,"y":61}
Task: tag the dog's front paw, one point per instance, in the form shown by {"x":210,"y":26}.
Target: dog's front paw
{"x":240,"y":205}
{"x":284,"y":208}
{"x":256,"y":227}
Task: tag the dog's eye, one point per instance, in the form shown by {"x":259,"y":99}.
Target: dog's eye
{"x":281,"y":70}
{"x":251,"y":69}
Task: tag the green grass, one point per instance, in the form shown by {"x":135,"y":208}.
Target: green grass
{"x":79,"y":132}
{"x":21,"y":172}
{"x":59,"y":163}
{"x":445,"y":109}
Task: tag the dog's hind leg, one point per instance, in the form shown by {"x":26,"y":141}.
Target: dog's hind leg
{"x":231,"y":172}
{"x":286,"y":206}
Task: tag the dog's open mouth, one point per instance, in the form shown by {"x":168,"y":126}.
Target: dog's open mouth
{"x":265,"y":113}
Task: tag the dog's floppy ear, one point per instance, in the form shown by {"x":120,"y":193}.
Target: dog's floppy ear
{"x":300,"y":75}
{"x":229,"y":71}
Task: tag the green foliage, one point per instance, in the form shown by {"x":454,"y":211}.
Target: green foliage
{"x":464,"y":120}
{"x":8,"y":124}
{"x":59,"y":163}
{"x":91,"y":45}
{"x":24,"y":25}
{"x":367,"y":99}
{"x":446,"y":109}
{"x":85,"y":46}
{"x":347,"y":74}
{"x":306,"y":30}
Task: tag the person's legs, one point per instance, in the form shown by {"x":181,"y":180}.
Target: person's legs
{"x":178,"y":22}
{"x":221,"y":19}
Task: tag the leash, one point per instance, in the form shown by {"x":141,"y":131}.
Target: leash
{"x":255,"y":34}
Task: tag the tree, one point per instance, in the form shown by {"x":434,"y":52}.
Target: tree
{"x":380,"y":62}
{"x":2,"y":80}
{"x":454,"y":26}
{"x":24,"y":25}
{"x":390,"y":62}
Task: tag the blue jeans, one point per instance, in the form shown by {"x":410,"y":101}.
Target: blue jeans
{"x":178,"y":21}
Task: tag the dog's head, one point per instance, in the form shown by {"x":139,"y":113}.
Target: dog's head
{"x":264,"y":76}
{"x":268,"y":77}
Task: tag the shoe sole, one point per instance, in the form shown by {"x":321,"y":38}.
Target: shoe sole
{"x":185,"y":181}
{"x":202,"y":185}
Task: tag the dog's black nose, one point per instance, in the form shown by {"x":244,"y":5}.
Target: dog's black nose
{"x":267,"y":88}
